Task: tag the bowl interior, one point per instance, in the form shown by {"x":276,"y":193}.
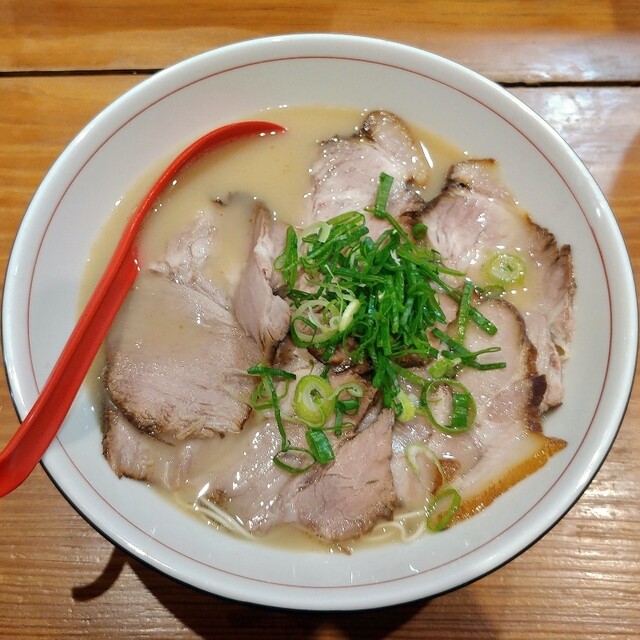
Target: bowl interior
{"x":118,"y":149}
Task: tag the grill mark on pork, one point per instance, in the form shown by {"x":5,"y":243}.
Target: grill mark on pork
{"x":473,"y":215}
{"x":346,"y":176}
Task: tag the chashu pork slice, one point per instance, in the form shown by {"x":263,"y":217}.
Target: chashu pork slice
{"x":263,"y":314}
{"x":134,"y":454}
{"x":420,"y":450}
{"x":249,"y":486}
{"x":176,"y":356}
{"x":344,"y":500}
{"x":507,"y":430}
{"x":346,"y":176}
{"x":176,"y":361}
{"x":261,"y":496}
{"x":505,"y":443}
{"x":475,"y":217}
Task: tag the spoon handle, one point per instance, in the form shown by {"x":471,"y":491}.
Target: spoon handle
{"x":38,"y":429}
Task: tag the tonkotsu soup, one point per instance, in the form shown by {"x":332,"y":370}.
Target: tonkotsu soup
{"x":272,"y":184}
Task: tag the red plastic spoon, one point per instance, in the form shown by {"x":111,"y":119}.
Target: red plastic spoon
{"x":31,"y":440}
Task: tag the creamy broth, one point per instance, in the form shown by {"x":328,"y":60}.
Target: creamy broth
{"x":275,"y":171}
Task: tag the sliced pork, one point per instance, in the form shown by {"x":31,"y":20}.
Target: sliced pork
{"x":134,"y":454}
{"x":508,"y":429}
{"x":419,"y":449}
{"x":505,"y":444}
{"x":346,"y":176}
{"x":519,"y":355}
{"x":261,"y":496}
{"x":176,"y":356}
{"x":345,"y":499}
{"x":177,"y":413}
{"x":177,"y":360}
{"x":263,"y":314}
{"x":473,"y":218}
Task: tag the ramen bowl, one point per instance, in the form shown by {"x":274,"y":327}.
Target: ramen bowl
{"x":146,"y":127}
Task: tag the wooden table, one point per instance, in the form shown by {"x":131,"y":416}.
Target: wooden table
{"x":576,"y":63}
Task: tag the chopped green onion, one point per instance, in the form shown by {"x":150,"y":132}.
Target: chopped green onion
{"x":436,"y":520}
{"x":263,"y":370}
{"x":463,"y":406}
{"x":463,"y":310}
{"x":287,"y":261}
{"x":419,"y":231}
{"x":347,"y":316}
{"x":313,"y":400}
{"x":353,"y":388}
{"x":466,"y":357}
{"x":460,"y":411}
{"x":410,"y":376}
{"x":303,"y":457}
{"x":319,"y":445}
{"x":261,"y":398}
{"x":376,"y":299}
{"x":266,"y":373}
{"x":412,"y":452}
{"x":348,"y":407}
{"x":382,"y":194}
{"x":321,"y":230}
{"x":408,"y":407}
{"x":444,"y":367}
{"x":505,"y":269}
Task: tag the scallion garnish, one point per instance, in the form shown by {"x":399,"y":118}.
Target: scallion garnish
{"x":505,"y":269}
{"x":385,"y":182}
{"x":463,"y":310}
{"x":436,"y":519}
{"x":463,"y":355}
{"x":304,"y":458}
{"x":462,"y":412}
{"x":319,"y":445}
{"x":313,"y":401}
{"x":419,"y":231}
{"x":375,"y":299}
{"x":287,"y":261}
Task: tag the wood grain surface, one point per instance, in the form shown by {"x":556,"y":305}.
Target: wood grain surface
{"x":576,"y":63}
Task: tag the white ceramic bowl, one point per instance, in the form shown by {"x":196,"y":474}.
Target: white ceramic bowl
{"x":114,"y":150}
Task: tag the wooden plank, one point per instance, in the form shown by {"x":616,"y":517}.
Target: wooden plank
{"x":60,"y":579}
{"x":507,"y":40}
